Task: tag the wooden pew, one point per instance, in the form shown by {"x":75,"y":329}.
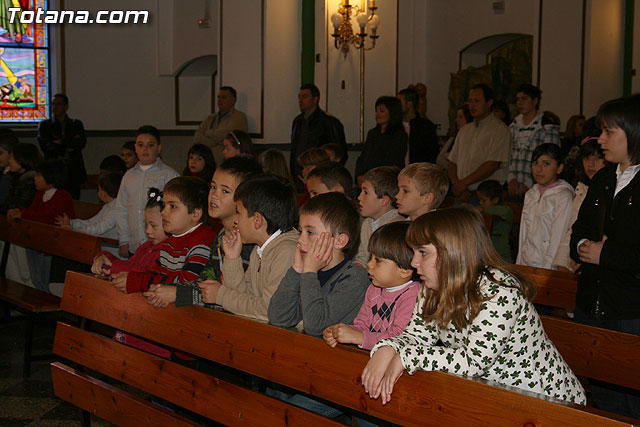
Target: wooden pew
{"x":86,"y":210}
{"x":555,"y":288}
{"x":294,"y":360}
{"x":91,"y":182}
{"x":52,"y":240}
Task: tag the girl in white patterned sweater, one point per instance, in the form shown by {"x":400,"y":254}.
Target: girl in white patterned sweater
{"x":479,"y":307}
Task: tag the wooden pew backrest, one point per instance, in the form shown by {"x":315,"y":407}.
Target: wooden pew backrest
{"x":307,"y":364}
{"x":554,"y":288}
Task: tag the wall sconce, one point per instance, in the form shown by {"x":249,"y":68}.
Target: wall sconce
{"x":343,"y":34}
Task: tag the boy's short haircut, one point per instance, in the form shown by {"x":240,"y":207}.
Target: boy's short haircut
{"x":113,"y":163}
{"x":54,"y":172}
{"x":428,"y":178}
{"x":340,"y":214}
{"x":389,"y":242}
{"x":241,"y":167}
{"x":129,"y":145}
{"x":193,"y":193}
{"x":384,"y":180}
{"x":27,"y":155}
{"x":492,"y":189}
{"x":149,"y":130}
{"x":313,"y":157}
{"x":333,"y":173}
{"x":110,"y":183}
{"x":336,"y":149}
{"x":531,"y":91}
{"x":271,"y":196}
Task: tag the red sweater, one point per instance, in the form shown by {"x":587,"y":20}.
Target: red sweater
{"x":47,"y":212}
{"x":143,"y":260}
{"x":181,"y":259}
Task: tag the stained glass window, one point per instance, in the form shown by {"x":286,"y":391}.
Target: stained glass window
{"x":24,"y":64}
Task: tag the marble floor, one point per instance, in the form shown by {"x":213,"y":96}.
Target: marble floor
{"x":31,"y":402}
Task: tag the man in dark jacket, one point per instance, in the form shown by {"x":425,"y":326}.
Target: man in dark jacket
{"x":62,"y":137}
{"x":312,"y":128}
{"x":423,"y":139}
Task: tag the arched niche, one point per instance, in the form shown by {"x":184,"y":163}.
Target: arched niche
{"x":195,"y":91}
{"x":503,"y":61}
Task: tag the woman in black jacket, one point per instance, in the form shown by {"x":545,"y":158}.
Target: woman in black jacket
{"x":386,"y":144}
{"x":606,"y":239}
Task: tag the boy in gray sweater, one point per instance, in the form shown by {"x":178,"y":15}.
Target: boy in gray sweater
{"x":323,"y":287}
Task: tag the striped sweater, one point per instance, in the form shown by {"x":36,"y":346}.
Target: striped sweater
{"x":181,"y":259}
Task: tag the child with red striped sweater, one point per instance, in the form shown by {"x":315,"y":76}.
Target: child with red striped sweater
{"x":184,"y":254}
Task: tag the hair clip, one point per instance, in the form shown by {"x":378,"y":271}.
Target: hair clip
{"x":588,"y":138}
{"x":154,"y":194}
{"x":235,"y":137}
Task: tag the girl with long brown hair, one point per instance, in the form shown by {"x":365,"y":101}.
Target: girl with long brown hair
{"x":478,"y":307}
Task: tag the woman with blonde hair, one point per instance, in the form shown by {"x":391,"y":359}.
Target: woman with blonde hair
{"x":474,"y":316}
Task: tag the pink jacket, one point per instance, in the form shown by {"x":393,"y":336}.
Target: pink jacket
{"x":392,"y":314}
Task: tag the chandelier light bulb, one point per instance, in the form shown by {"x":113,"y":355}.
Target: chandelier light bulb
{"x":374,"y":22}
{"x":362,"y":20}
{"x":336,"y":20}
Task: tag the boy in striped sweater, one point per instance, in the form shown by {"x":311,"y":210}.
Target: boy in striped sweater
{"x":185,"y":253}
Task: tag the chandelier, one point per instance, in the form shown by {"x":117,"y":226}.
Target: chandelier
{"x":343,"y":34}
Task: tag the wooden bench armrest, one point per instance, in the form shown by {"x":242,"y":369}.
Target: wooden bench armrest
{"x":28,"y":298}
{"x":51,"y":239}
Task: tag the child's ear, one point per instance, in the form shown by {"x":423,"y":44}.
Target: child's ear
{"x":341,"y":241}
{"x":428,"y":199}
{"x":196,"y":215}
{"x":560,"y":167}
{"x":337,"y":189}
{"x":259,"y":221}
{"x":385,"y":201}
{"x":406,"y":273}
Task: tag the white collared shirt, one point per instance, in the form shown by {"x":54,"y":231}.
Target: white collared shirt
{"x":624,"y":178}
{"x":188,"y":231}
{"x":48,"y":194}
{"x":399,"y":287}
{"x":264,"y":245}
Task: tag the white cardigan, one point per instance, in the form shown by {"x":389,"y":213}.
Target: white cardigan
{"x":545,"y":219}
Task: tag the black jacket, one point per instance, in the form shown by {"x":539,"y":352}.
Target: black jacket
{"x":382,"y":149}
{"x":423,"y":141}
{"x":22,"y":191}
{"x":321,"y":128}
{"x":71,"y":133}
{"x":613,"y":287}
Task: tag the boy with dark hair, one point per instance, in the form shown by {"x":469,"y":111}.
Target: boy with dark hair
{"x":113,"y":163}
{"x":267,"y":212}
{"x":185,"y":253}
{"x":490,"y":195}
{"x":222,"y":207}
{"x":323,"y":287}
{"x":329,"y":177}
{"x":149,"y":172}
{"x":104,"y":222}
{"x":334,"y":151}
{"x":421,"y":188}
{"x":377,"y":203}
{"x":530,"y":129}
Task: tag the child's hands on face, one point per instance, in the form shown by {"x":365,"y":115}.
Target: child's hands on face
{"x":63,"y":221}
{"x":101,"y":266}
{"x":297,"y":259}
{"x":119,"y":281}
{"x":320,"y":254}
{"x":160,"y":296}
{"x":210,"y":290}
{"x":232,"y":244}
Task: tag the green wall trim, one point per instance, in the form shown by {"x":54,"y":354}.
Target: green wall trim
{"x":307,"y":63}
{"x":628,"y":47}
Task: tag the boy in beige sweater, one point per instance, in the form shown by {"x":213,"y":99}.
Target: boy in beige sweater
{"x":267,"y":213}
